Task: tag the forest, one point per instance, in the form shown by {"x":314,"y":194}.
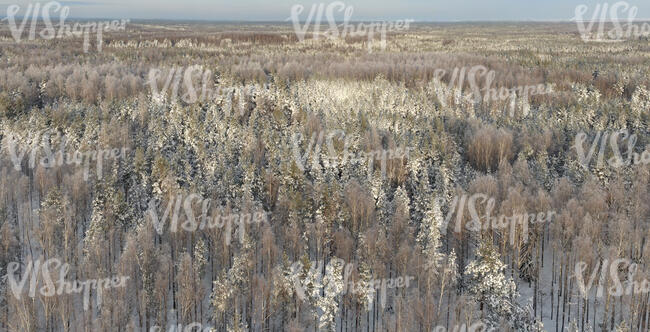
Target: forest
{"x":234,"y":177}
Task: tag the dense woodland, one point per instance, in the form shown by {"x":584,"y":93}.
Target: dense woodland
{"x":237,"y":149}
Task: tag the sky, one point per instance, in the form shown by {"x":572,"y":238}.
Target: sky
{"x":280,"y":10}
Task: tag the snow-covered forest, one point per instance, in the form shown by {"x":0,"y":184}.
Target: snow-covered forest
{"x":231,"y":177}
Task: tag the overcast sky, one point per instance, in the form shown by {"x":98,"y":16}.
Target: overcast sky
{"x":279,"y":10}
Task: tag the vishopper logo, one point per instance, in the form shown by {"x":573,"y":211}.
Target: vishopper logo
{"x":41,"y":272}
{"x":633,"y":285}
{"x":615,"y":140}
{"x":193,"y":327}
{"x":190,"y":223}
{"x":454,"y":90}
{"x":49,"y":156}
{"x":170,"y":82}
{"x":308,"y":283}
{"x":488,"y":220}
{"x":475,"y":327}
{"x":314,"y":148}
{"x":64,"y":30}
{"x":336,"y":31}
{"x":618,"y":33}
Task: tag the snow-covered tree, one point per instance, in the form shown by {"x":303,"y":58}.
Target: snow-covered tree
{"x":328,"y":303}
{"x":428,"y":238}
{"x":402,"y":203}
{"x":486,"y":281}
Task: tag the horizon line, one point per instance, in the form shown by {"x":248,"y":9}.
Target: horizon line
{"x":53,"y":19}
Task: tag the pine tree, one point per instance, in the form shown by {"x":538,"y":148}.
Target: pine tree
{"x":402,"y":203}
{"x":428,"y":238}
{"x":328,"y":303}
{"x":52,"y":223}
{"x":486,"y":281}
{"x":449,"y":276}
